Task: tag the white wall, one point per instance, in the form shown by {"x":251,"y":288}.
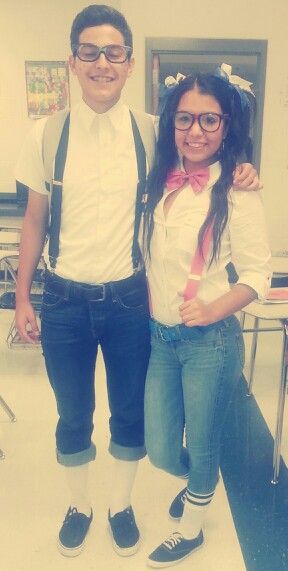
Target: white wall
{"x":35,"y":30}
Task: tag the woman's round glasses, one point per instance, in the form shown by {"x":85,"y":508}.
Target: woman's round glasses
{"x":113,"y":52}
{"x":209,"y":122}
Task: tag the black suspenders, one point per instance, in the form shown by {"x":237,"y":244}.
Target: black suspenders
{"x":56,"y":194}
{"x":140,"y":196}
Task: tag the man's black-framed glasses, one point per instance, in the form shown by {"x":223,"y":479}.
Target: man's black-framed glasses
{"x":113,"y":52}
{"x":210,"y":122}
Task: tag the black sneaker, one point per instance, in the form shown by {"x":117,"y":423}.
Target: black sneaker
{"x":174,"y":549}
{"x":177,"y":506}
{"x":73,"y":532}
{"x":124,"y":531}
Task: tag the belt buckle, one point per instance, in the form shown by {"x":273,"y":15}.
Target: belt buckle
{"x":102,"y":298}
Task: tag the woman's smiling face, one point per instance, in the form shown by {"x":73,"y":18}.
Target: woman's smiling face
{"x":198,"y":147}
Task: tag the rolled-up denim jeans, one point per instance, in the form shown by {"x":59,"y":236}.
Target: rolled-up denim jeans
{"x":191,"y":377}
{"x":75,"y":319}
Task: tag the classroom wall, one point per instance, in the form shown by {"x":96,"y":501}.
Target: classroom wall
{"x":39,"y":30}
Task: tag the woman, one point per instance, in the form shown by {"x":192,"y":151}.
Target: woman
{"x":195,"y":224}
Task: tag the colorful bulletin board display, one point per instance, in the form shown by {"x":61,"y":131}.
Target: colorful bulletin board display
{"x":47,"y":87}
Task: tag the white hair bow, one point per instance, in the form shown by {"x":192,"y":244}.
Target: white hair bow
{"x":236,"y":79}
{"x":170,"y":81}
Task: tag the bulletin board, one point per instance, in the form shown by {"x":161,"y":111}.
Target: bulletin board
{"x":47,"y":87}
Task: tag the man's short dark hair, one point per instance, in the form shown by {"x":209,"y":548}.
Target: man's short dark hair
{"x":98,"y":15}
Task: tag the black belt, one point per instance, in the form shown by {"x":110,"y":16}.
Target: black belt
{"x":69,"y":289}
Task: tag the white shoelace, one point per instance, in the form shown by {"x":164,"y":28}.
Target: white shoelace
{"x":173,"y":540}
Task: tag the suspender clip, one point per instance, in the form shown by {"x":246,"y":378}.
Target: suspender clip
{"x":56,"y":182}
{"x":52,"y":261}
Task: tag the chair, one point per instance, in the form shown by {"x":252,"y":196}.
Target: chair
{"x":8,"y":301}
{"x":9,"y":255}
{"x":272,"y":310}
{"x":10,"y":236}
{"x":9,"y":250}
{"x":12,"y":417}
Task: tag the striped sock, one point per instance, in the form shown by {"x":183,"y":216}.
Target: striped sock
{"x":195,"y":509}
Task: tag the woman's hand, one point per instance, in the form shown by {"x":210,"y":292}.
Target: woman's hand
{"x":194,"y":312}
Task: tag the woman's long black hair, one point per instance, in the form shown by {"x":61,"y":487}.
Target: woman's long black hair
{"x":166,"y":158}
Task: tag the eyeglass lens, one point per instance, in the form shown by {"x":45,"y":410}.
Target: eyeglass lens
{"x":208,"y":121}
{"x":114,"y":53}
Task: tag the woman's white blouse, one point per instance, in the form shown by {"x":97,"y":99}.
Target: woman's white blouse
{"x":174,"y":241}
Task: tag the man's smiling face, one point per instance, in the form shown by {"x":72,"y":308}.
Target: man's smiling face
{"x":101,"y":81}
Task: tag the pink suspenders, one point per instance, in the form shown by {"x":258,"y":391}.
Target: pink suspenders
{"x":196,"y":269}
{"x":197,"y":265}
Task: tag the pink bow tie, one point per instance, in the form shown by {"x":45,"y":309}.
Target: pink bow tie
{"x":197,"y":179}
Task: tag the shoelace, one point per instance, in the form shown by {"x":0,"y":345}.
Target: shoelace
{"x":183,"y":497}
{"x":70,"y":512}
{"x":173,"y":540}
{"x":122,"y":517}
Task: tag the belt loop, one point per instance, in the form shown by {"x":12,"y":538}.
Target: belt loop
{"x":113,"y":292}
{"x":162,"y":333}
{"x":67,"y":287}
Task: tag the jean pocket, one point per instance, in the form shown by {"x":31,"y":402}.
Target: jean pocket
{"x":204,"y":337}
{"x":51,"y":300}
{"x":136,"y":298}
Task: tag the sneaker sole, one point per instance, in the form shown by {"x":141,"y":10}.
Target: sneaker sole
{"x":124,"y":551}
{"x":174,"y":518}
{"x":162,"y":564}
{"x":71,"y":551}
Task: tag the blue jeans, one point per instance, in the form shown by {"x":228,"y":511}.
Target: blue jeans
{"x":75,"y":319}
{"x":191,"y":377}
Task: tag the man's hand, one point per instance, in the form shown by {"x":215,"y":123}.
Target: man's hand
{"x":246,"y":178}
{"x":26,"y":323}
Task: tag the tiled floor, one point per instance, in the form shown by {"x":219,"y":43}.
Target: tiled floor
{"x":33,"y":498}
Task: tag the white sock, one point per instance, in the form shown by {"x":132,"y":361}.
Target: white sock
{"x":77,"y":479}
{"x":195,"y":509}
{"x":123,"y":473}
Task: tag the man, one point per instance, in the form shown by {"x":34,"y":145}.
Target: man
{"x":95,"y":289}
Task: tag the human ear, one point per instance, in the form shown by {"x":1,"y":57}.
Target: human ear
{"x":72,"y":62}
{"x":131,"y":64}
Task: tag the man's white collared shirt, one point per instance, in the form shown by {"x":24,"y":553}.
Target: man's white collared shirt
{"x":99,"y":193}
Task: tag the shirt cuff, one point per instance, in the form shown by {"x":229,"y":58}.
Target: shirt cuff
{"x":261,"y":284}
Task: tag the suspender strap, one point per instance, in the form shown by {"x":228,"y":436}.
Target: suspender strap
{"x":57,"y":185}
{"x":56,"y":195}
{"x":140,"y":196}
{"x":197,"y":265}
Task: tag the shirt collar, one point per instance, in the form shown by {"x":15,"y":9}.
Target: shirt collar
{"x":115,"y":115}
